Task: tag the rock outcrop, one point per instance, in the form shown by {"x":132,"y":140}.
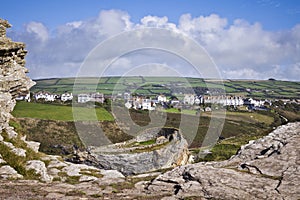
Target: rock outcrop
{"x":152,"y":150}
{"x":13,"y":79}
{"x":268,"y":168}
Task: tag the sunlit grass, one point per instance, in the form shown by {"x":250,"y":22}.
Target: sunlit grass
{"x":60,"y":112}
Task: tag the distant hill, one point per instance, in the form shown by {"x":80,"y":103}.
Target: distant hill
{"x":170,"y":85}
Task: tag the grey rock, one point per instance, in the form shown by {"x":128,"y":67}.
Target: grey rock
{"x":139,"y":159}
{"x":7,"y":172}
{"x":55,"y":195}
{"x":147,"y":175}
{"x":54,"y":172}
{"x":56,"y":164}
{"x":267,"y":168}
{"x":40,"y":168}
{"x":31,"y":144}
{"x":1,"y":160}
{"x":11,"y":133}
{"x":75,"y":169}
{"x":110,"y":177}
{"x":85,"y":178}
{"x":15,"y":150}
{"x":112,"y":174}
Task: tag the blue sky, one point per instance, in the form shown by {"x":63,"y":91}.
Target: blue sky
{"x":268,"y":32}
{"x":272,"y":14}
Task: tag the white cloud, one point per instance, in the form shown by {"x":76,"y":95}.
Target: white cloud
{"x":110,"y":22}
{"x":38,"y":29}
{"x":240,"y":49}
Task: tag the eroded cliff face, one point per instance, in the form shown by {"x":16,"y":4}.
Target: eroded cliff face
{"x":13,"y":79}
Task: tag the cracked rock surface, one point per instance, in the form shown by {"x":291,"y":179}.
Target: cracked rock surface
{"x":267,"y":168}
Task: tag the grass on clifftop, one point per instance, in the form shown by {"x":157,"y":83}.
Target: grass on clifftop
{"x":59,"y":112}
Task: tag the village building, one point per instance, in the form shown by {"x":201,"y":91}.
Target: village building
{"x":161,"y":98}
{"x":93,"y":97}
{"x":46,"y":96}
{"x":66,"y":97}
{"x":189,"y":99}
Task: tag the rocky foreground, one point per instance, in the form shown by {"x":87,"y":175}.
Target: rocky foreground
{"x":267,"y":168}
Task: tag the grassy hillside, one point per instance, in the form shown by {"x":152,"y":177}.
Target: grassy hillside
{"x":58,"y":112}
{"x":170,"y":85}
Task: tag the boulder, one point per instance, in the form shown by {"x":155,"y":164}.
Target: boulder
{"x":40,"y":168}
{"x":31,"y":144}
{"x":7,"y":172}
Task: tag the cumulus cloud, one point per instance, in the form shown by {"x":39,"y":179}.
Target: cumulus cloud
{"x":240,"y":49}
{"x":38,"y":30}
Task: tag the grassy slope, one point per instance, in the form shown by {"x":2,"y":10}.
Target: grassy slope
{"x":57,"y":112}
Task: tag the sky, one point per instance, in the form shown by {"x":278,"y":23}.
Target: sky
{"x":246,"y":39}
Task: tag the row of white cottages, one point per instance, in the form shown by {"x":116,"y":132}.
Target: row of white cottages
{"x":189,"y":99}
{"x":82,"y":98}
{"x":53,"y":97}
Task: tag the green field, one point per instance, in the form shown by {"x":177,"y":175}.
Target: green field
{"x":156,"y":85}
{"x":59,"y":112}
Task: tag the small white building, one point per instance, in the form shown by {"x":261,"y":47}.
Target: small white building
{"x":148,"y":104}
{"x":93,"y":97}
{"x":161,"y":98}
{"x":66,"y":97}
{"x":189,"y":99}
{"x":97,"y":97}
{"x":45,"y":95}
{"x":83,"y":98}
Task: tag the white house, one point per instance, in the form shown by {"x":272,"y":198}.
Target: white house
{"x":66,"y":97}
{"x":189,"y":99}
{"x":97,"y":97}
{"x":94,"y":97}
{"x":148,"y":104}
{"x":254,"y":102}
{"x":45,"y":95}
{"x":83,"y":98}
{"x":161,"y":98}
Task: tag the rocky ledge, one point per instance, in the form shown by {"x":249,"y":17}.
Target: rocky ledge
{"x":268,"y":168}
{"x":153,"y":149}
